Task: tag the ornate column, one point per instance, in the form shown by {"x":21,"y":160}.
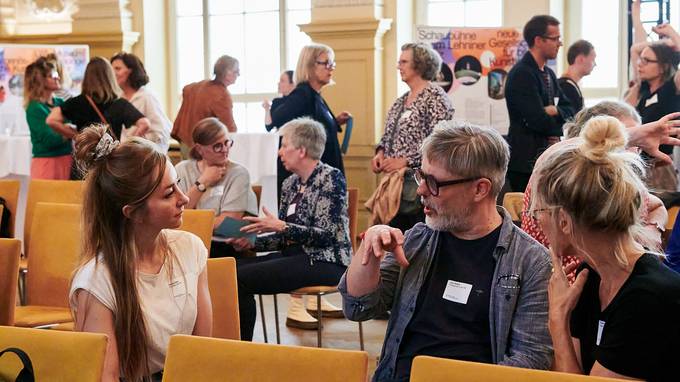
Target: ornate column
{"x":355,"y":29}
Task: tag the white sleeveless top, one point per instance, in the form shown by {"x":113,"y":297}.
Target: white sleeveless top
{"x":168,"y":302}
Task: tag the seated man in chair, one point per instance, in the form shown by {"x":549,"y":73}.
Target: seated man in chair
{"x":466,"y":284}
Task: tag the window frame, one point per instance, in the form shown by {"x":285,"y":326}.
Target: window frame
{"x":176,"y":91}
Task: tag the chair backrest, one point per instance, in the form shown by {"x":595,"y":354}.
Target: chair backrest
{"x":257,"y":189}
{"x":200,"y":223}
{"x":672,"y":215}
{"x":55,"y":355}
{"x":208,"y":359}
{"x":56,"y":245}
{"x":51,"y":191}
{"x":353,"y":211}
{"x":10,"y":251}
{"x":514,"y":202}
{"x":224,"y":297}
{"x":9,"y":190}
{"x":431,"y":369}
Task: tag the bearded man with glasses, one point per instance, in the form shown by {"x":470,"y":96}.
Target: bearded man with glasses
{"x":467,"y":284}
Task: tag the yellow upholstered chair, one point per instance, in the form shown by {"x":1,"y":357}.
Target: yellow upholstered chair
{"x":200,"y":223}
{"x":672,"y":215}
{"x":224,"y":297}
{"x":56,"y":356}
{"x":514,"y":202}
{"x":431,"y":369}
{"x":55,"y":244}
{"x":9,"y":190}
{"x":209,"y":359}
{"x":50,"y":191}
{"x":10,"y":251}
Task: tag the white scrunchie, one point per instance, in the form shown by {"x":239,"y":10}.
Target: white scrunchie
{"x":104,"y":147}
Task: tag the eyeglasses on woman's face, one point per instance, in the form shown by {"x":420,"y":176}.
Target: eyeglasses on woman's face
{"x":328,"y":64}
{"x":433,"y":185}
{"x":221,"y":147}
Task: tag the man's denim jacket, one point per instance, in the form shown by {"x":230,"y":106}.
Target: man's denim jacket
{"x":518,"y":306}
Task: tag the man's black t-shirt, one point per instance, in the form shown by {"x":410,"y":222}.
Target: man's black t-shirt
{"x":452,"y":310}
{"x":653,"y":106}
{"x":638,"y":333}
{"x":117,"y":113}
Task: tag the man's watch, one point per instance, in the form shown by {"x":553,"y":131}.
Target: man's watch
{"x":200,"y":186}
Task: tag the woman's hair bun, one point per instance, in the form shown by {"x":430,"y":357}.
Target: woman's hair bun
{"x":89,"y":144}
{"x":602,"y":135}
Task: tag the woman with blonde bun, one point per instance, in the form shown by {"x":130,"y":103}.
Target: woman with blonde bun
{"x":140,"y":281}
{"x":619,"y":318}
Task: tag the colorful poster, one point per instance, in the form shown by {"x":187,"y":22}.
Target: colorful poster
{"x":475,"y":68}
{"x":13,"y":62}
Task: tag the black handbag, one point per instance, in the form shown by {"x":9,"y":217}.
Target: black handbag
{"x":26,"y":374}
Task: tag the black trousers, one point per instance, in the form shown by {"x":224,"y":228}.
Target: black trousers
{"x":277,"y":273}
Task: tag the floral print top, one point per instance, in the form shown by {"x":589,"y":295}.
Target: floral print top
{"x":407,"y":126}
{"x":323,"y":231}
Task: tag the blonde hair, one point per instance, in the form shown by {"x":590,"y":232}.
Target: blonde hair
{"x":307,"y":61}
{"x":596,"y":182}
{"x":469,"y":151}
{"x":99,"y":81}
{"x":35,"y":77}
{"x":127,"y":175}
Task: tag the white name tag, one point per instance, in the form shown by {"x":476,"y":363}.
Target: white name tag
{"x":652,"y":100}
{"x":457,"y":291}
{"x":600,"y":329}
{"x":291,"y":209}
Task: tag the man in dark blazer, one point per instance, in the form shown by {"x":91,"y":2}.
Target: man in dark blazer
{"x":537,"y":106}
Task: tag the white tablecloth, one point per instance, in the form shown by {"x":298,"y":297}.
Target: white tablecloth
{"x":15,"y":163}
{"x":258,"y":152}
{"x":15,"y":155}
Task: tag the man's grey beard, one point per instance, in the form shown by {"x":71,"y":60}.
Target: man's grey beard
{"x":451,"y":223}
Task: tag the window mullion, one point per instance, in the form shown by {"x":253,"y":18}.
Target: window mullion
{"x":206,"y":40}
{"x":283,"y":36}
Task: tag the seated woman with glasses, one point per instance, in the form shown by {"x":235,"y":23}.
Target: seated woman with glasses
{"x":213,"y":182}
{"x":619,"y":318}
{"x":310,"y":234}
{"x":314,"y":71}
{"x":652,"y":212}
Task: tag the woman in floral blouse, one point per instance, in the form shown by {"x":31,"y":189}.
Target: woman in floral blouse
{"x":411,"y":119}
{"x":311,"y":233}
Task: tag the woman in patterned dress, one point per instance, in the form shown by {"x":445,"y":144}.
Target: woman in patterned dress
{"x":410,"y":120}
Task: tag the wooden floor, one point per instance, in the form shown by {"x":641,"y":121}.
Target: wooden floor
{"x":338,"y":333}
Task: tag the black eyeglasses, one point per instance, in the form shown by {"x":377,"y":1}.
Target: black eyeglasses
{"x":328,"y":64}
{"x":221,"y":147}
{"x":645,"y":61}
{"x":553,"y":38}
{"x":433,"y":184}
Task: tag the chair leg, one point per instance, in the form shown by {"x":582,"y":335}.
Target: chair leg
{"x":22,"y":287}
{"x":318,"y":317}
{"x":276,"y":319}
{"x":361,"y":335}
{"x":264,"y":322}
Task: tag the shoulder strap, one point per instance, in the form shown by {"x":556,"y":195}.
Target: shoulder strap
{"x":101,"y":116}
{"x":26,"y":374}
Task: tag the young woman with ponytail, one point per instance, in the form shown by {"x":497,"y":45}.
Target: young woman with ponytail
{"x":139,"y":281}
